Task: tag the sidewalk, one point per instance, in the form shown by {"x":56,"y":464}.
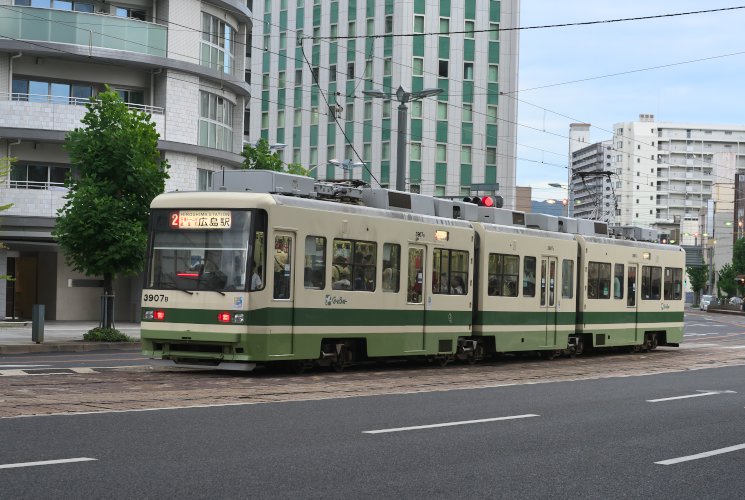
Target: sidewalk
{"x":61,"y":336}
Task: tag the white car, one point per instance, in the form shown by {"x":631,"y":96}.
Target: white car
{"x":735,"y":301}
{"x":706,"y":300}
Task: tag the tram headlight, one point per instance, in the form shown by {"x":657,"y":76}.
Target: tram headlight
{"x":239,"y":318}
{"x":149,"y":315}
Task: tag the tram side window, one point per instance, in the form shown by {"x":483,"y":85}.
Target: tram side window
{"x":258,"y":278}
{"x":354,"y":265}
{"x":673,"y":283}
{"x":450,"y":274}
{"x":529,"y":276}
{"x":618,"y":281}
{"x":282,"y":266}
{"x":651,"y":282}
{"x":567,"y":279}
{"x":315,"y":262}
{"x":504,"y":271}
{"x":391,"y":267}
{"x":598,"y":280}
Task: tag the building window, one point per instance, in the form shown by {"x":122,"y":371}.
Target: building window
{"x":385,"y":151}
{"x":352,"y":30}
{"x":55,"y":92}
{"x":389,"y":24}
{"x":469,"y":29}
{"x":491,"y":114}
{"x":298,"y":77}
{"x":350,"y":71}
{"x":368,"y":111}
{"x":441,"y":153}
{"x":468,"y":71}
{"x":443,"y":68}
{"x":415,"y":150}
{"x":418,"y":24}
{"x":465,"y":155}
{"x":444,"y":26}
{"x":35,"y":176}
{"x":370,"y":27}
{"x":386,"y":109}
{"x":493,"y":31}
{"x":418,"y":66}
{"x":467,"y":112}
{"x":493,"y":73}
{"x":416,"y":109}
{"x":332,"y":73}
{"x":218,"y":44}
{"x":215,"y":122}
{"x":349,"y":116}
{"x":204,"y":179}
{"x":442,"y":111}
{"x":120,"y":12}
{"x":491,"y":156}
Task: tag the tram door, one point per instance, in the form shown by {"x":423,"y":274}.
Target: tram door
{"x":415,"y":298}
{"x":283,"y":291}
{"x":549,"y":290}
{"x":631,"y":300}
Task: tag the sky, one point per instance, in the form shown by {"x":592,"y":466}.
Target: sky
{"x":710,"y":91}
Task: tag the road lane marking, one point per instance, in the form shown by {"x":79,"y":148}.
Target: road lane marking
{"x":47,"y":462}
{"x":448,"y":424}
{"x":697,"y":345}
{"x":23,"y":366}
{"x":687,"y":396}
{"x":705,"y":454}
{"x":733,"y":347}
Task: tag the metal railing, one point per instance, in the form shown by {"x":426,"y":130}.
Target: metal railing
{"x":73,"y":101}
{"x":44,"y":185}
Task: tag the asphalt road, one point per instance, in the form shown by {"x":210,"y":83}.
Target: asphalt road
{"x":605,"y":438}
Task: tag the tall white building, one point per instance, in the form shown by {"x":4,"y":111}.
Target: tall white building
{"x":184,"y":62}
{"x":319,"y":56}
{"x":674,"y":176}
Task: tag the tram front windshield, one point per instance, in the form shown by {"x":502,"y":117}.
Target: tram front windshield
{"x":199,"y":249}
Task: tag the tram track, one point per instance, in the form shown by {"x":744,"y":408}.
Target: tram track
{"x":143,"y":388}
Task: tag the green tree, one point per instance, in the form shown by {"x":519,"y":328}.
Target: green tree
{"x":726,"y":282}
{"x":738,"y":261}
{"x":5,"y":165}
{"x":698,"y":275}
{"x":260,"y":157}
{"x":117,"y":171}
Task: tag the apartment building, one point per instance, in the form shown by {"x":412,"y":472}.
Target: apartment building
{"x":675,"y":177}
{"x":318,"y":58}
{"x":184,"y":62}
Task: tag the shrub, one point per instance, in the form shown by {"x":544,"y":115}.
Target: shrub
{"x":99,"y":334}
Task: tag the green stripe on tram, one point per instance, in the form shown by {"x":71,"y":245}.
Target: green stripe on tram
{"x":321,"y":317}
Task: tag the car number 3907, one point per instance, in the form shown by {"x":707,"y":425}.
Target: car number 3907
{"x":153,"y":297}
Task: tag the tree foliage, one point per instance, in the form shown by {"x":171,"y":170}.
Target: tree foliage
{"x":261,"y":157}
{"x":698,"y":276}
{"x":726,"y":282}
{"x":116,"y":172}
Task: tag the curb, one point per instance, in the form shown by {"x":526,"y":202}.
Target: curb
{"x":74,"y":346}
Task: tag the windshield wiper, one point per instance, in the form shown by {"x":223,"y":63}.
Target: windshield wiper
{"x":210,"y":289}
{"x":172,"y":286}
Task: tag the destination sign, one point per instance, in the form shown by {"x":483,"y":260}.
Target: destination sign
{"x":201,"y":219}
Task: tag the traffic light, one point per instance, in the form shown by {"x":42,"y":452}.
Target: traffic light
{"x":485,"y":201}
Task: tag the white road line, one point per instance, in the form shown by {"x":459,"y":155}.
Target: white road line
{"x":733,"y":347}
{"x":696,"y":345}
{"x":47,"y":462}
{"x":705,"y":454}
{"x":700,"y":394}
{"x":23,"y":366}
{"x":448,"y":424}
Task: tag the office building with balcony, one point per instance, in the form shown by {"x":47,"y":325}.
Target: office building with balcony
{"x":675,"y":177}
{"x":184,"y":62}
{"x":319,"y":57}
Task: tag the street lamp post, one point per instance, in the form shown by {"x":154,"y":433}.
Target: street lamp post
{"x":347,"y":166}
{"x":403,"y":98}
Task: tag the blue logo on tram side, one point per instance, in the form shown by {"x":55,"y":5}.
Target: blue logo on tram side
{"x":331,"y":300}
